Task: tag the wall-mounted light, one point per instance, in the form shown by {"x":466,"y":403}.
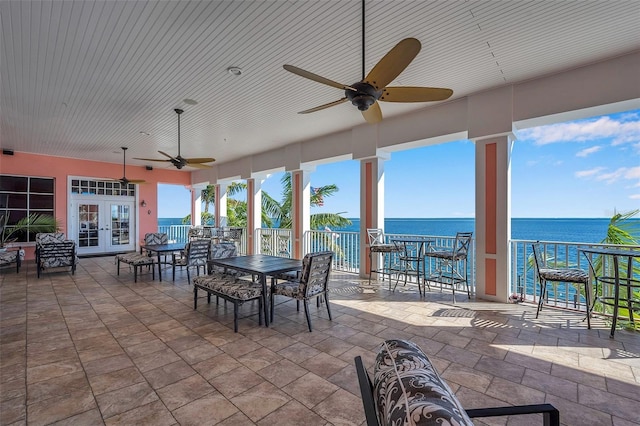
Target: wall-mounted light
{"x":143,"y":203}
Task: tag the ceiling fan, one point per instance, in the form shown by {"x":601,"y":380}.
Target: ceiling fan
{"x":366,"y":93}
{"x":123,"y":180}
{"x":179,"y":161}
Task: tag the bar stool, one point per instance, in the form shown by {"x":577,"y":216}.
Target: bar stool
{"x":378,"y":246}
{"x":452,"y":263}
{"x":565,"y":275}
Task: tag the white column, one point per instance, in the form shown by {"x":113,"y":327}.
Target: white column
{"x":254,"y":211}
{"x":300,"y":209}
{"x":196,"y":210}
{"x":220,"y":206}
{"x":493,"y":217}
{"x":371,"y":205}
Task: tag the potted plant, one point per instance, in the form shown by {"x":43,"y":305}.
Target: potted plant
{"x":33,"y":223}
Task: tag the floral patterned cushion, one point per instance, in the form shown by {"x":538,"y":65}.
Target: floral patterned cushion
{"x":229,"y":285}
{"x":135,"y":259}
{"x":49,"y":237}
{"x":156,"y":238}
{"x":222,"y":251}
{"x":56,"y":254}
{"x":8,"y":257}
{"x":564,"y":275}
{"x":409,"y":391}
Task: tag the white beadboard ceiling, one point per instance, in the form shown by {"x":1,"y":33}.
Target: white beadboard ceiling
{"x":83,"y":78}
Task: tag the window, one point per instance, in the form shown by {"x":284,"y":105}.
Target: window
{"x":21,"y":196}
{"x":92,"y":187}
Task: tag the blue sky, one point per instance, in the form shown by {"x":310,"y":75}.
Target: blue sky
{"x":582,"y":168}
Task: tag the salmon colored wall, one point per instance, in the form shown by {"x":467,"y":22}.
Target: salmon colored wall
{"x":60,"y":168}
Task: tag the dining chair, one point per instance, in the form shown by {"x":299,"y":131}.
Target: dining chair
{"x":196,"y":254}
{"x":566,"y":275}
{"x":154,"y":238}
{"x":313,"y":282}
{"x":377,"y":247}
{"x":451,"y":268}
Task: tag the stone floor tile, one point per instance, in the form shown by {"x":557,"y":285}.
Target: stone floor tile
{"x":115,"y":380}
{"x":211,"y":409}
{"x":156,"y":359}
{"x":216,"y":366}
{"x":324,"y":365}
{"x":238,"y":419}
{"x":12,"y":410}
{"x":55,"y":369}
{"x":620,"y":406}
{"x":341,"y":408}
{"x":282,"y":372}
{"x":572,"y":413}
{"x":106,"y":365}
{"x":298,"y":352}
{"x":145,"y":348}
{"x":199,"y":353}
{"x":60,"y":407}
{"x":236,"y":381}
{"x":154,"y":413}
{"x":57,"y":386}
{"x":550,"y":384}
{"x":310,"y":389}
{"x":168,"y":374}
{"x":292,"y":414}
{"x":125,"y":399}
{"x":462,"y":375}
{"x":261,"y":400}
{"x":184,"y":391}
{"x":91,"y":417}
{"x":259,"y":359}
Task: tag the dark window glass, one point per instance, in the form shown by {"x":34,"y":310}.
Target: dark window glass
{"x":41,"y":185}
{"x":40,"y":201}
{"x":17,"y":201}
{"x":13,"y":183}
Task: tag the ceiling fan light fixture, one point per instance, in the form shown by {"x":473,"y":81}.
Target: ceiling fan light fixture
{"x":235,"y":71}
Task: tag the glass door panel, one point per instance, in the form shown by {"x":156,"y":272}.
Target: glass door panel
{"x":88,"y":221}
{"x":120,"y":220}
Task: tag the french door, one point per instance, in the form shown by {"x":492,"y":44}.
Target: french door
{"x":102,"y":224}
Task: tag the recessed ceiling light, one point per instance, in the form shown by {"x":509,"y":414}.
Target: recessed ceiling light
{"x":190,"y":102}
{"x":237,"y":71}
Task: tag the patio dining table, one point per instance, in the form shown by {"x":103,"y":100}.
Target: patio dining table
{"x":262,"y":265}
{"x":161,"y":249}
{"x":620,"y":281}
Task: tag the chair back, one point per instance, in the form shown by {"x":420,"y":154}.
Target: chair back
{"x":375,"y":236}
{"x":538,"y":258}
{"x":49,"y":237}
{"x":153,"y":238}
{"x":315,"y":273}
{"x":223,"y":250}
{"x":461,"y":244}
{"x":198,"y":252}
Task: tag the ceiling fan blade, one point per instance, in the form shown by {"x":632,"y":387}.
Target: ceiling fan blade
{"x":415,"y":94}
{"x":200,"y":160}
{"x":198,"y":165}
{"x":150,"y":159}
{"x":318,"y":108}
{"x":136,"y":181}
{"x":316,"y":77}
{"x":373,"y":115}
{"x":165,"y":154}
{"x":393,"y":63}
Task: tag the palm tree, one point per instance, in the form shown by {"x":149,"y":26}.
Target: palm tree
{"x":280,"y":212}
{"x":208,"y":197}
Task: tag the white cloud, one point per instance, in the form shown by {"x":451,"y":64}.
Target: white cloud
{"x":625,"y":129}
{"x":589,"y":173}
{"x":588,"y":151}
{"x":635,"y":196}
{"x":600,"y":174}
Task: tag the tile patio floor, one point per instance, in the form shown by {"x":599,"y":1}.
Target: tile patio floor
{"x":96,"y":348}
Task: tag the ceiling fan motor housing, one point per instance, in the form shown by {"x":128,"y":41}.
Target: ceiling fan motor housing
{"x":364,"y":96}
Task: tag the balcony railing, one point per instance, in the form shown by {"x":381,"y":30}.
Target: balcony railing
{"x":346,"y":245}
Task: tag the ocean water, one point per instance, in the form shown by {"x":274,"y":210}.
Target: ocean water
{"x":592,"y":230}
